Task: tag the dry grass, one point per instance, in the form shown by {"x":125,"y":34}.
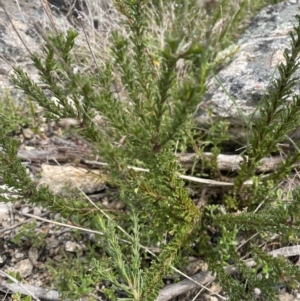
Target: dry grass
{"x":212,"y":23}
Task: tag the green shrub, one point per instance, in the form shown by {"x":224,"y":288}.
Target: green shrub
{"x":141,"y":127}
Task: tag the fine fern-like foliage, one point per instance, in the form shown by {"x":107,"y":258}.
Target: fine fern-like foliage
{"x":148,"y":119}
{"x":140,"y":126}
{"x":279,"y":114}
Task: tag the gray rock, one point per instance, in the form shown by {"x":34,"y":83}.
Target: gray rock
{"x":12,"y":50}
{"x":4,"y":211}
{"x":72,"y":246}
{"x":28,"y":133}
{"x":51,"y":242}
{"x":19,"y":255}
{"x":24,"y":267}
{"x":33,"y":254}
{"x":246,"y":78}
{"x":29,"y":19}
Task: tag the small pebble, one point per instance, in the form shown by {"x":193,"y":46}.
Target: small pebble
{"x":27,"y":133}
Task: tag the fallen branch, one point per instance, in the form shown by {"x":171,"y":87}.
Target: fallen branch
{"x":81,"y":156}
{"x":38,"y":292}
{"x":72,"y":154}
{"x":229,"y":162}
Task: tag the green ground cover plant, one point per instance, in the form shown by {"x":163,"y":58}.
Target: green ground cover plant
{"x":140,"y":128}
{"x":16,"y":116}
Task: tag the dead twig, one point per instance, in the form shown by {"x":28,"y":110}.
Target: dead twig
{"x":186,"y":285}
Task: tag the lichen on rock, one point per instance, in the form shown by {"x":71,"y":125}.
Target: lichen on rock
{"x":247,"y":77}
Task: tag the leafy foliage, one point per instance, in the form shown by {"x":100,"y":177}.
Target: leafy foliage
{"x":140,"y":126}
{"x":16,"y":116}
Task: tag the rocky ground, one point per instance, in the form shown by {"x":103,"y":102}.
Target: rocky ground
{"x":27,"y":244}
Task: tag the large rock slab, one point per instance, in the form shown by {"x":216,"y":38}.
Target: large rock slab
{"x":246,"y":78}
{"x":21,"y":24}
